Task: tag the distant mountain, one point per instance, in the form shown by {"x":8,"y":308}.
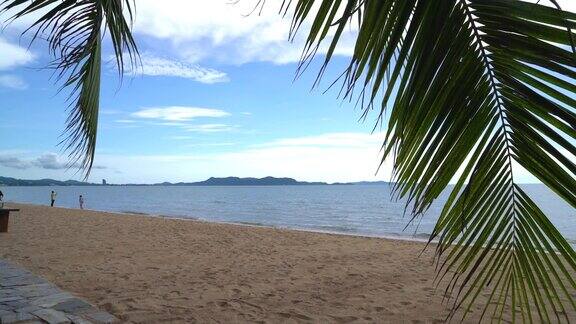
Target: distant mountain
{"x":5,"y":181}
{"x":228,"y":181}
{"x":235,"y":181}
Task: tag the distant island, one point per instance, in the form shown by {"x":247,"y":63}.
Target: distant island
{"x":228,"y":181}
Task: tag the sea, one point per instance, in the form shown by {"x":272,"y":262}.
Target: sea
{"x":366,"y":210}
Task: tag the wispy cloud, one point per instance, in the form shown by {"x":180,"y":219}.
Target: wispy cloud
{"x":178,"y":113}
{"x":125,"y":121}
{"x":209,"y":128}
{"x":180,"y":117}
{"x":157,"y":66}
{"x":13,"y":82}
{"x":48,"y":161}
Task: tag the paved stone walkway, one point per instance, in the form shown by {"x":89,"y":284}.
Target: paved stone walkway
{"x":26,"y":298}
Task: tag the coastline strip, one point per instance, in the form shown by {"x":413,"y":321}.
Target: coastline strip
{"x":392,"y":236}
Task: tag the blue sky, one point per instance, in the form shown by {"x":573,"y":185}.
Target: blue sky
{"x":215,"y":96}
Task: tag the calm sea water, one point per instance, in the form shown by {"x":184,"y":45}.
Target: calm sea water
{"x":359,"y":209}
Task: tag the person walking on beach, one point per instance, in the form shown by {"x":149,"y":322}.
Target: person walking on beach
{"x":52,"y":198}
{"x":81,"y":202}
{"x":1,"y":199}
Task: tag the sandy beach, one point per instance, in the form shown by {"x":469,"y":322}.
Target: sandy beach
{"x":151,"y":269}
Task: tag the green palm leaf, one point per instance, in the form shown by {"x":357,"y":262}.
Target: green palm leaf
{"x":473,"y":87}
{"x":73,"y":32}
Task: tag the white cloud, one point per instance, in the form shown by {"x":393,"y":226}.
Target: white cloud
{"x":12,"y":82}
{"x":13,"y":55}
{"x":52,"y":162}
{"x":209,"y":128}
{"x":330,"y":157}
{"x":125,"y":121}
{"x":333,"y":157}
{"x":220,"y":30}
{"x":316,"y":158}
{"x":179,"y":113}
{"x":158,"y":66}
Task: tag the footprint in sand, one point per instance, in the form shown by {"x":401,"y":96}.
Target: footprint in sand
{"x":344,"y":319}
{"x":223,"y":304}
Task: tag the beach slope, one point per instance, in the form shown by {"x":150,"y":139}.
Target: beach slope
{"x":152,"y":269}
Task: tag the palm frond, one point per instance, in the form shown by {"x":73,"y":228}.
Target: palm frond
{"x":73,"y":32}
{"x":473,"y":86}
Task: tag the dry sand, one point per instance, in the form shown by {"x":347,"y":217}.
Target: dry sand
{"x":150,"y":269}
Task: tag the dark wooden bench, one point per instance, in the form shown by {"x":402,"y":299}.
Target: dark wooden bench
{"x":4,"y":217}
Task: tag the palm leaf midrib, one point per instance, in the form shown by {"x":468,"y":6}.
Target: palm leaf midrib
{"x":492,"y":80}
{"x":511,"y":193}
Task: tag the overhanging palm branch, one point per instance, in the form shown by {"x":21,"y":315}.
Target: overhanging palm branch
{"x":73,"y":31}
{"x":473,"y":86}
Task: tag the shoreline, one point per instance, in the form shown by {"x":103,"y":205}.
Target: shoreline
{"x":393,"y":237}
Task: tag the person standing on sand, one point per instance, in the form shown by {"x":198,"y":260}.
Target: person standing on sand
{"x":1,"y":199}
{"x":52,"y":198}
{"x":81,"y":201}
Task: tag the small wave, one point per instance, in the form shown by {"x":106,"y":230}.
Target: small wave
{"x":181,"y":217}
{"x":133,"y":212}
{"x":336,"y":228}
{"x":251,"y":223}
